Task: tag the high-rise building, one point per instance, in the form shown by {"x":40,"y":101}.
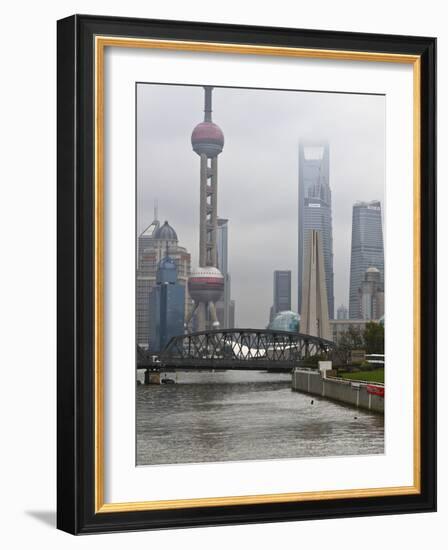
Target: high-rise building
{"x":225,"y":311}
{"x":367,"y":250}
{"x":146,"y":237}
{"x":341,"y":327}
{"x":371,"y":295}
{"x":153,"y":244}
{"x":282,"y":293}
{"x":232,"y":314}
{"x":342,"y":313}
{"x":315,"y":211}
{"x":222,"y":245}
{"x":314,"y":319}
{"x":226,"y":318}
{"x":166,"y":305}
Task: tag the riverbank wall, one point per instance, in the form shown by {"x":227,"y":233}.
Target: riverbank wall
{"x":357,"y":394}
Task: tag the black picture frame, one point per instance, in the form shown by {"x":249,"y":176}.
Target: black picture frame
{"x":76,"y":512}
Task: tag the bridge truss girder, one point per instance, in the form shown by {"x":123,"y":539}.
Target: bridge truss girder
{"x":239,"y":349}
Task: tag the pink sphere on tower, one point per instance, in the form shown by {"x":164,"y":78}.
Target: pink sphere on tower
{"x":206,"y":284}
{"x":207,"y":138}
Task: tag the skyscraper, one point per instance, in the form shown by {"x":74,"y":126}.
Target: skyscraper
{"x":153,"y":244}
{"x":226,"y":306}
{"x":315,"y":211}
{"x":222,"y":245}
{"x":371,"y":295}
{"x":145,"y":238}
{"x":342,"y":313}
{"x":367,"y":250}
{"x":166,"y":306}
{"x":282,"y":293}
{"x":314,"y":319}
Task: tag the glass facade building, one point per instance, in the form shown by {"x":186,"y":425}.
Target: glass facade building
{"x":166,"y":306}
{"x":282,"y":293}
{"x":367,"y":250}
{"x":285,"y":320}
{"x":372,"y":295}
{"x":315,"y":212}
{"x":225,"y":308}
{"x":342,"y":313}
{"x":153,"y":244}
{"x":222,"y":245}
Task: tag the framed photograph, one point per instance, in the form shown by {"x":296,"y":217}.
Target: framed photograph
{"x":246,"y":274}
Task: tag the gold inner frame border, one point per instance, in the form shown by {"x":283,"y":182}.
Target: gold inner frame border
{"x":100,"y":43}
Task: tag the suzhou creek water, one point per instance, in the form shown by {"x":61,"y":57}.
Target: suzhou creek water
{"x":242,"y":415}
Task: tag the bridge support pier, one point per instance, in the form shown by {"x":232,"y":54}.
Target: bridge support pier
{"x":152,"y":377}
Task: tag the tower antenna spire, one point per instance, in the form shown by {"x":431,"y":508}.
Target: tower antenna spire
{"x":156,"y":209}
{"x":208,"y":103}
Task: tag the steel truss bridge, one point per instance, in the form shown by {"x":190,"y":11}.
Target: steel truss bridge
{"x":237,"y":349}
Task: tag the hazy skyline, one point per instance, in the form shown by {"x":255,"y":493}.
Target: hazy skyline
{"x":258,"y":176}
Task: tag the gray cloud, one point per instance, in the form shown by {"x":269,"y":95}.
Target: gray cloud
{"x":258,"y":175}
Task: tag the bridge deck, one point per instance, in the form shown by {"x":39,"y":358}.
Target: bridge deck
{"x":220,"y":365}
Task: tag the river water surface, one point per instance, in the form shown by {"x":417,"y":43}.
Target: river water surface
{"x":223,"y":416}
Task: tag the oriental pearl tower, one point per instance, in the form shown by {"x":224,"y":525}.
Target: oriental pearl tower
{"x":206,"y":283}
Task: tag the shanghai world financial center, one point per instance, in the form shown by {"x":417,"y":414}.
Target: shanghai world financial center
{"x":315,"y":211}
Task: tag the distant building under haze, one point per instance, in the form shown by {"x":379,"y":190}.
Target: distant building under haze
{"x":315,"y":211}
{"x":225,"y":308}
{"x":342,"y":313}
{"x":366,"y":250}
{"x":282,"y":293}
{"x":154,"y":243}
{"x":341,"y":327}
{"x":371,"y":295}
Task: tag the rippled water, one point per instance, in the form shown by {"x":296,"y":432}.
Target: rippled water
{"x":213,"y":417}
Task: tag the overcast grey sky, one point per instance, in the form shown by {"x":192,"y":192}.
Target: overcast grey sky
{"x":258,"y":176}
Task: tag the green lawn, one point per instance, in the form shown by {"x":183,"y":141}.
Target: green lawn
{"x":365,"y":376}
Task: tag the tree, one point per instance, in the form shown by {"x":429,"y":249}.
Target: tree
{"x":312,"y":361}
{"x":350,"y":340}
{"x":374,"y":338}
